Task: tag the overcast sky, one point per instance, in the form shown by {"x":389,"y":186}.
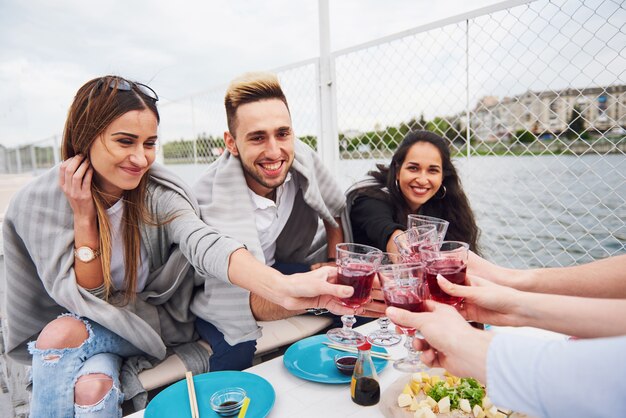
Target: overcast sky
{"x":50,"y":48}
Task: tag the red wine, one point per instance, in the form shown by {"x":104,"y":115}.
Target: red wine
{"x":361,"y":278}
{"x":453,"y":270}
{"x":365,"y":391}
{"x":404,"y":299}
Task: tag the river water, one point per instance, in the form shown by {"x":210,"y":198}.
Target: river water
{"x":533,"y":211}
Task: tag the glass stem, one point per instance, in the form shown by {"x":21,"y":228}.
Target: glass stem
{"x":413,"y":354}
{"x":348,"y":321}
{"x":383,"y":323}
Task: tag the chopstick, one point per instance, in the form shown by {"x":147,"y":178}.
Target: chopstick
{"x":384,"y":356}
{"x":244,"y":408}
{"x":193,"y":403}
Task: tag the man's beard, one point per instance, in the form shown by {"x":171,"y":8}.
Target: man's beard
{"x":252,"y":172}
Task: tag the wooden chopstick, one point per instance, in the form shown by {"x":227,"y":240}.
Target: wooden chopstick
{"x":384,"y":356}
{"x":193,"y":403}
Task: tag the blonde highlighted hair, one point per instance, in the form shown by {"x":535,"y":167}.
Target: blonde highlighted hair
{"x":248,"y":88}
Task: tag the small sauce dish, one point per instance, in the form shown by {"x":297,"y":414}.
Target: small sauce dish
{"x":227,"y":402}
{"x":345,"y":363}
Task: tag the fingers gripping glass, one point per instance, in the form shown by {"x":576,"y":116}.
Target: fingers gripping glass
{"x":404,"y":287}
{"x":122,"y":84}
{"x":356,"y":267}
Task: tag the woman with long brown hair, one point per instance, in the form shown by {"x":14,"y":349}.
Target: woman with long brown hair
{"x":100,"y":253}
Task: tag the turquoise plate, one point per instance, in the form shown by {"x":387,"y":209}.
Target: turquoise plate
{"x":309,"y":359}
{"x":173,"y":401}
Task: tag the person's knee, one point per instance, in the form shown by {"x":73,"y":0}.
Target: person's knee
{"x":92,"y":388}
{"x":63,"y":332}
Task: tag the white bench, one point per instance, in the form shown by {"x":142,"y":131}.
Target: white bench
{"x":275,"y":335}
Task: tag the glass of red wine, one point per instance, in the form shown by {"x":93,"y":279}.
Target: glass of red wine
{"x":441,"y":225}
{"x":410,"y":241}
{"x":382,"y":336}
{"x":404,"y":287}
{"x":449,"y":260}
{"x":356,"y":267}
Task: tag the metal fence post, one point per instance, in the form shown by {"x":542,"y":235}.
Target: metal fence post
{"x":33,"y":157}
{"x":193,"y":129}
{"x":55,"y":150}
{"x":18,"y":160}
{"x":328,"y":143}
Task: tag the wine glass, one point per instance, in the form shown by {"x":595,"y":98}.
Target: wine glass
{"x":449,"y":260}
{"x":441,"y":225}
{"x":356,"y":267}
{"x":404,"y":287}
{"x":410,"y":241}
{"x":382,"y":336}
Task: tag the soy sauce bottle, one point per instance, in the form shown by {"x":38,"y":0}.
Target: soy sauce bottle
{"x":364,"y":387}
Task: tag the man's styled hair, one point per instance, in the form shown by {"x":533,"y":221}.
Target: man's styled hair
{"x":248,"y":88}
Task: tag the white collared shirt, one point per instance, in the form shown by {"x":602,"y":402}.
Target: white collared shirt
{"x":271,"y":217}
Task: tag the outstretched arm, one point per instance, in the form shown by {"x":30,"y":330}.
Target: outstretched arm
{"x":604,"y":278}
{"x":293,"y":292}
{"x":490,"y":303}
{"x":450,"y":342}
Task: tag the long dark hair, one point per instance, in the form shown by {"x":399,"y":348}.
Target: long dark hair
{"x":96,"y":105}
{"x":451,"y":205}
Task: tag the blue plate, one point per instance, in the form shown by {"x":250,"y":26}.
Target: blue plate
{"x":309,"y":359}
{"x":174,"y":400}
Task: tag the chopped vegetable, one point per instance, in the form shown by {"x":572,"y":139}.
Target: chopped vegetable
{"x":467,"y":388}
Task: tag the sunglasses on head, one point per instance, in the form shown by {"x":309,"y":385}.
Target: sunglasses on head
{"x":125,"y":85}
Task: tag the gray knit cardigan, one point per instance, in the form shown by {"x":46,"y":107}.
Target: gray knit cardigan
{"x":38,"y":249}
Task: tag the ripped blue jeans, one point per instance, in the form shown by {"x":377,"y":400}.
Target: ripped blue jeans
{"x":55,"y":371}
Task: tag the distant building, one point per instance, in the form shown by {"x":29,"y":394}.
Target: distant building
{"x":549,"y":112}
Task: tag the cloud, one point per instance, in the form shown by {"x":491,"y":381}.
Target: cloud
{"x":49,"y":49}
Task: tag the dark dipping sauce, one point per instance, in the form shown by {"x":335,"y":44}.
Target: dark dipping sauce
{"x":227,"y":404}
{"x":346,"y":364}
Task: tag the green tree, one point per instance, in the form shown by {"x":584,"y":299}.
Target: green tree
{"x":524,"y":136}
{"x":576,"y":125}
{"x":311,"y":140}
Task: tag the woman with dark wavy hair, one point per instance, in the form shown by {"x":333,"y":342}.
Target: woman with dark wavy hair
{"x":420,"y":179}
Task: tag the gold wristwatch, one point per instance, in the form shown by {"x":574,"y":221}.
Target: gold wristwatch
{"x":86,"y":254}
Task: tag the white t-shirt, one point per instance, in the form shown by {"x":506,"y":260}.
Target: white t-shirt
{"x":271,"y":217}
{"x":118,"y":269}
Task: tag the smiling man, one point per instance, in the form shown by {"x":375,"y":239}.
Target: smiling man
{"x":271,"y":192}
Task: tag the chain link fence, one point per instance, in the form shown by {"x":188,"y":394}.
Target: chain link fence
{"x":533,"y":101}
{"x":531,"y":96}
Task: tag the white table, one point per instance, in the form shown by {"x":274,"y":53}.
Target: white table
{"x":303,"y":399}
{"x":300,"y":398}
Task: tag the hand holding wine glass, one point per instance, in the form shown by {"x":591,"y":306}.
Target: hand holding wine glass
{"x":449,"y":260}
{"x":404,"y":287}
{"x":443,"y":328}
{"x":356,"y":267}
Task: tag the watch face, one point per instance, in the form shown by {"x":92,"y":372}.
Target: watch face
{"x":84,"y":254}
